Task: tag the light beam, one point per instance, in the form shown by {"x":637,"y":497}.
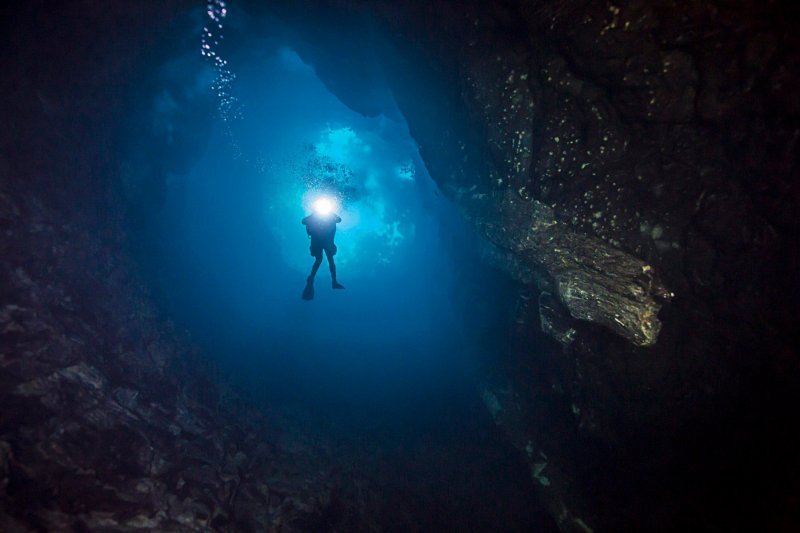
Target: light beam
{"x":323,"y":206}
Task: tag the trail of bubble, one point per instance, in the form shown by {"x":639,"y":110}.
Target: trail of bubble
{"x":228,"y":106}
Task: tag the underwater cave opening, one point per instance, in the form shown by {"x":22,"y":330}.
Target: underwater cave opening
{"x":222,"y":242}
{"x":235,"y":256}
{"x":388,"y":366}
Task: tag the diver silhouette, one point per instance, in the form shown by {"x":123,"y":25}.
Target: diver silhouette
{"x":321,"y":229}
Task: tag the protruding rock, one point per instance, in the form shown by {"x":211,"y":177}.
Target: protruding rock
{"x":553,"y":320}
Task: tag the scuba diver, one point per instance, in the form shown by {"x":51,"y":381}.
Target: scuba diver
{"x":321,"y":229}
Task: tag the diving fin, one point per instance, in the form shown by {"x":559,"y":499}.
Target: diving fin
{"x":308,"y":292}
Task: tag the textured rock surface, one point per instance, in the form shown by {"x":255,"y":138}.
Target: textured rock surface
{"x":596,"y":282}
{"x":615,"y":154}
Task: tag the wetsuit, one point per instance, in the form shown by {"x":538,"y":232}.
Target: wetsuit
{"x":322,"y":230}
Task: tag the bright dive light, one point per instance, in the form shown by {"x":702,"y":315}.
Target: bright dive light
{"x":323,"y":206}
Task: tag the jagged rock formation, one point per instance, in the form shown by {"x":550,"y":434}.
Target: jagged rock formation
{"x":618,"y":156}
{"x":594,"y":281}
{"x":633,"y":165}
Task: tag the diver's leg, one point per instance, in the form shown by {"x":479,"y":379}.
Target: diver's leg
{"x":315,"y":267}
{"x":332,"y":266}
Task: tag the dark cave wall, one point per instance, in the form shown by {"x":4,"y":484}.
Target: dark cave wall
{"x":634,"y":164}
{"x":101,"y":408}
{"x":110,"y":419}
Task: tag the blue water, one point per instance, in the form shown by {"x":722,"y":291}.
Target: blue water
{"x":384,"y":374}
{"x":235,"y":257}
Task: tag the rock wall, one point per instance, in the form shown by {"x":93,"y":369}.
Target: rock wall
{"x":634,"y":165}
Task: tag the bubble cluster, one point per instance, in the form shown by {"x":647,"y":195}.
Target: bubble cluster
{"x":229,"y":107}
